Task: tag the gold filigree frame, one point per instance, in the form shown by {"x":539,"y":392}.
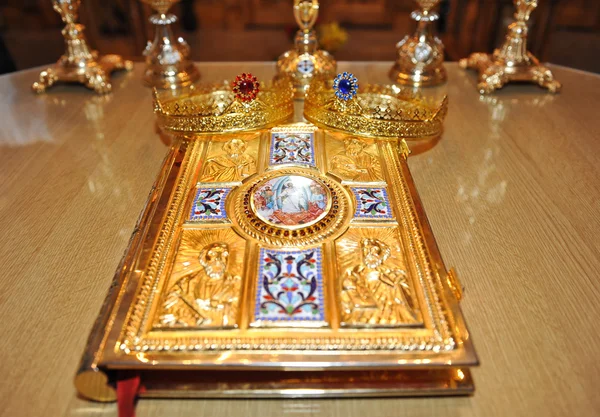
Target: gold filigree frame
{"x":377,"y":111}
{"x":254,"y":210}
{"x":213,"y":108}
{"x":336,"y":217}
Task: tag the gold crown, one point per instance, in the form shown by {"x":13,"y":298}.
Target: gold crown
{"x":373,"y":110}
{"x":223,"y":107}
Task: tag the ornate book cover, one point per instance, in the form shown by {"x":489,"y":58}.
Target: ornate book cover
{"x":289,"y":262}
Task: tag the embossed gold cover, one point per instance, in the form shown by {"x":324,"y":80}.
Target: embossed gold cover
{"x":287,"y":262}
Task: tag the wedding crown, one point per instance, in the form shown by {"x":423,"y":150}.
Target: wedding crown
{"x":372,"y":110}
{"x":244,"y":104}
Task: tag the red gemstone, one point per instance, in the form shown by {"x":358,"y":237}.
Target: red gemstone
{"x":246,"y":87}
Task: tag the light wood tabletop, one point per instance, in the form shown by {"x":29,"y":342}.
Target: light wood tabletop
{"x":512,"y":191}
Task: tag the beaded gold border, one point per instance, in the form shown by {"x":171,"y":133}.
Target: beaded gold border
{"x":138,"y":313}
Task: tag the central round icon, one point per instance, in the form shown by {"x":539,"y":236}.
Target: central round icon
{"x":290,"y":201}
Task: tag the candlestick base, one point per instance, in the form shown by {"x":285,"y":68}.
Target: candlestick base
{"x":79,"y":64}
{"x":495,"y":73}
{"x":512,"y":61}
{"x":94,"y":74}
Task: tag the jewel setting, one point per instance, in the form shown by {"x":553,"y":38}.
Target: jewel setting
{"x":246,"y":87}
{"x":423,"y":52}
{"x":306,"y":66}
{"x":345,"y":86}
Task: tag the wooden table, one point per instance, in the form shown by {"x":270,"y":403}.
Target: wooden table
{"x":512,"y":191}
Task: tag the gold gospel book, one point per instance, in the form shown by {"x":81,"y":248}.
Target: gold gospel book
{"x":288,"y":262}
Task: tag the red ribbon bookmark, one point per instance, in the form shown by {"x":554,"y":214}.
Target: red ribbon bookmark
{"x":127,"y":391}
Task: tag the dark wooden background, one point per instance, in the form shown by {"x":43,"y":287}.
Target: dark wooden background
{"x":565,"y":32}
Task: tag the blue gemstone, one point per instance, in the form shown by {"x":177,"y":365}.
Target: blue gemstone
{"x":345,"y":86}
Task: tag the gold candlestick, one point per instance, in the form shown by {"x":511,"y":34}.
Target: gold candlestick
{"x":306,"y":60}
{"x":79,"y":64}
{"x":511,"y":62}
{"x":420,"y":56}
{"x":167,"y":58}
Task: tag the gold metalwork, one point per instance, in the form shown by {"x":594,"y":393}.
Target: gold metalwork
{"x":232,"y":165}
{"x":204,"y":287}
{"x":355,"y":164}
{"x":454,"y":284}
{"x":294,"y":384}
{"x":306,"y":60}
{"x":332,"y":222}
{"x":79,"y":63}
{"x":420,"y":60}
{"x":168,"y":63}
{"x":404,"y":149}
{"x":93,"y":384}
{"x":512,"y":62}
{"x":385,"y":290}
{"x":436,"y":336}
{"x":135,"y":337}
{"x":213,"y":108}
{"x":373,"y":294}
{"x":377,"y":111}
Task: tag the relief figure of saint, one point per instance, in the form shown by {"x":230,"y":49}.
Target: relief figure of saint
{"x":204,"y":297}
{"x":374,"y":295}
{"x":355,"y":164}
{"x":234,"y":165}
